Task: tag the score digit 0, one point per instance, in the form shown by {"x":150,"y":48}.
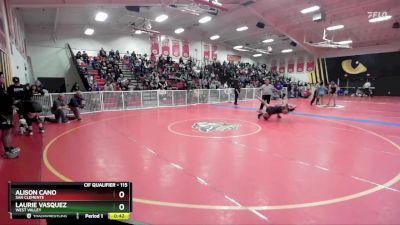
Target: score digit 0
{"x":121,"y":194}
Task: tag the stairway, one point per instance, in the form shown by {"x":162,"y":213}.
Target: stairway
{"x":100,"y":82}
{"x":128,"y":73}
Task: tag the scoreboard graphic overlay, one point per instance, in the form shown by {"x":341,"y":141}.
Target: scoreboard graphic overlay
{"x":78,"y":200}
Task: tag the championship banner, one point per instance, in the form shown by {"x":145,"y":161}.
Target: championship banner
{"x":165,"y":46}
{"x":185,"y":49}
{"x":233,"y":58}
{"x":175,"y":48}
{"x":291,"y":65}
{"x":273,"y":65}
{"x":282,"y":66}
{"x":300,"y":64}
{"x":206,"y":51}
{"x":310,"y":64}
{"x":155,"y":47}
{"x":214,"y":49}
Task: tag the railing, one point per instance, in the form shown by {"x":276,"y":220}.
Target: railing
{"x":77,"y":67}
{"x":130,"y":100}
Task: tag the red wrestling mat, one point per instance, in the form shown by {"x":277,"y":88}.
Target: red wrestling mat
{"x":219,"y":164}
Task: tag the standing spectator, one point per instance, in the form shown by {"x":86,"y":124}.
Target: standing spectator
{"x":76,"y":103}
{"x":17,"y":91}
{"x":236,"y":86}
{"x":315,"y":95}
{"x":117,"y":55}
{"x":103,"y":53}
{"x":332,"y":93}
{"x":6,"y":120}
{"x":321,"y":92}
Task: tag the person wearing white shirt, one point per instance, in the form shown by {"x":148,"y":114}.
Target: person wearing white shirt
{"x":267,"y":91}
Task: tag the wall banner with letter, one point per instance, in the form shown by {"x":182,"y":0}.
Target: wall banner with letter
{"x":214,"y":50}
{"x":300,"y":64}
{"x":282,"y":66}
{"x":206,"y":51}
{"x":176,"y":50}
{"x":185,"y":49}
{"x":165,"y":46}
{"x":155,"y":46}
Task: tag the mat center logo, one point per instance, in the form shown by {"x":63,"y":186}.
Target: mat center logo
{"x":207,"y":127}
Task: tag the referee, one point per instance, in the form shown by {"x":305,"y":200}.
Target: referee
{"x":266,"y":92}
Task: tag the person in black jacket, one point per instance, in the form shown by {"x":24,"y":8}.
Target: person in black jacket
{"x":6,"y":120}
{"x":236,"y":86}
{"x":17,"y":91}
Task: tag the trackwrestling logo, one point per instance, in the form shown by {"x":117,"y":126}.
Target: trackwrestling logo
{"x":207,"y":127}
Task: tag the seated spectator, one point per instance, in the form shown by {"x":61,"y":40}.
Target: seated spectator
{"x":75,"y":87}
{"x":59,"y":109}
{"x":117,"y":55}
{"x":78,"y":55}
{"x":85,"y":57}
{"x":34,"y":90}
{"x":111,"y":53}
{"x":76,"y":103}
{"x":103,"y":53}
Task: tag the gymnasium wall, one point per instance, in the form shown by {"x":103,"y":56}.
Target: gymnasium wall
{"x":302,"y":76}
{"x":13,"y":43}
{"x":383,"y":70}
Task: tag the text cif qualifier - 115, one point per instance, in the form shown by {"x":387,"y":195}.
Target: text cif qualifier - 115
{"x":78,"y":200}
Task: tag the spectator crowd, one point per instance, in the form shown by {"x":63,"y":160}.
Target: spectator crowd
{"x":163,"y":73}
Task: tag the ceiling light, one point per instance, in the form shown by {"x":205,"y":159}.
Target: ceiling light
{"x":205,"y":19}
{"x":237,"y":47}
{"x":269,"y":48}
{"x":215,"y":37}
{"x":379,"y":19}
{"x":310,"y":9}
{"x":242,"y":28}
{"x":336,"y":27}
{"x":216,"y":3}
{"x":345,"y":42}
{"x":161,"y":18}
{"x":287,"y":50}
{"x":138,"y":32}
{"x":268,"y":40}
{"x":257,"y":55}
{"x":242,"y":50}
{"x":101,"y":16}
{"x":179,"y":30}
{"x":89,"y":31}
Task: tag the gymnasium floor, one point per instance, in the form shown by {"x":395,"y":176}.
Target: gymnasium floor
{"x":313,"y":166}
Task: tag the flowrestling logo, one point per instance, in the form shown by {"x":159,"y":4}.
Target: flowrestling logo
{"x":377,"y":14}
